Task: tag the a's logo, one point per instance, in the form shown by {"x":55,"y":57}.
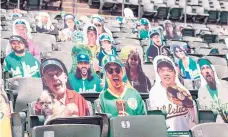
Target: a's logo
{"x":82,"y":56}
{"x":132,"y":103}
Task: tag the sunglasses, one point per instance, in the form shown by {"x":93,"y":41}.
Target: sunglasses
{"x":111,"y":70}
{"x":97,"y":25}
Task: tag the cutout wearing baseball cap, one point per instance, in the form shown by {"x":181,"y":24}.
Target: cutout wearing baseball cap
{"x":203,"y":62}
{"x":111,"y":59}
{"x":50,"y":64}
{"x":17,"y":38}
{"x":153,"y":32}
{"x":91,"y":28}
{"x":82,"y":58}
{"x":69,"y":16}
{"x":105,"y":37}
{"x":20,"y":22}
{"x":165,"y":63}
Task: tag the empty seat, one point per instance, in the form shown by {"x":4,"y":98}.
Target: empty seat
{"x":192,"y":39}
{"x":64,"y":46}
{"x":67,"y":130}
{"x":203,"y":51}
{"x":136,"y":126}
{"x":198,"y":45}
{"x":207,"y":116}
{"x":26,"y":90}
{"x":218,"y":45}
{"x":217,"y":60}
{"x":210,"y":130}
{"x":222,"y":71}
{"x":44,"y":37}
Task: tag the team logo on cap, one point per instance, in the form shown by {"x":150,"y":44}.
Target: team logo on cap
{"x":132,"y":103}
{"x":82,"y":56}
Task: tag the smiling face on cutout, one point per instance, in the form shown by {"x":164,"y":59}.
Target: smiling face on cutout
{"x":114,"y":73}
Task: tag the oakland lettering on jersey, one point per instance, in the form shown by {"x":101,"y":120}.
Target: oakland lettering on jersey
{"x":213,"y":105}
{"x":173,"y":111}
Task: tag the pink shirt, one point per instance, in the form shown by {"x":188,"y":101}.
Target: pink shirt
{"x":34,"y":49}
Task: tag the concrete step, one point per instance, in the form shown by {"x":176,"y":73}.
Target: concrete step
{"x":71,"y":4}
{"x":81,"y":10}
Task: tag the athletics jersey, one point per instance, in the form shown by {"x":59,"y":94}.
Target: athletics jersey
{"x":85,"y":85}
{"x":129,"y":103}
{"x":26,"y":66}
{"x":214,"y":99}
{"x":179,"y":118}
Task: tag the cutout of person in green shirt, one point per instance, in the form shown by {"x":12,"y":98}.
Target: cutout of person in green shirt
{"x":119,"y":99}
{"x":213,"y":93}
{"x":187,"y":65}
{"x":84,"y":80}
{"x":21,"y":63}
{"x":144,"y":28}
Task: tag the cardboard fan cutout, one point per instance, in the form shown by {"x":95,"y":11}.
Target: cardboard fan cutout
{"x":84,"y":79}
{"x":187,"y":65}
{"x":129,"y":103}
{"x":170,"y":95}
{"x":170,"y":32}
{"x":131,"y":57}
{"x":55,"y":84}
{"x":106,"y":43}
{"x":156,"y":45}
{"x":90,"y":36}
{"x":44,"y":23}
{"x":98,"y":21}
{"x":143,"y":28}
{"x":212,"y":94}
{"x":69,"y":27}
{"x":5,"y":115}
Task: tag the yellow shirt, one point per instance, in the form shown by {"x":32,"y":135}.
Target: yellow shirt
{"x":5,"y":127}
{"x":95,"y":50}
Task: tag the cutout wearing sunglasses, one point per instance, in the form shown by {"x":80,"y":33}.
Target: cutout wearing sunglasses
{"x":111,"y":70}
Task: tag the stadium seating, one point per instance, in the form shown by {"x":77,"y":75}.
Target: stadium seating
{"x":204,"y":31}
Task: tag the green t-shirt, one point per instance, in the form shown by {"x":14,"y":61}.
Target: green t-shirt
{"x":129,"y":103}
{"x":26,"y":66}
{"x":85,"y":85}
{"x":213,"y":93}
{"x":143,"y":34}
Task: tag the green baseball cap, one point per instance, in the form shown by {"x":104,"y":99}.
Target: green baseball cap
{"x":105,"y":37}
{"x":82,"y":58}
{"x":203,"y":62}
{"x":111,"y":59}
{"x":144,"y":21}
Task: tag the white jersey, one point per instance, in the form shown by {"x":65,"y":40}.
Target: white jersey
{"x":179,"y":118}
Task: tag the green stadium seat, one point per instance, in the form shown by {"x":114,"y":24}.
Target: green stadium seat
{"x":138,"y":126}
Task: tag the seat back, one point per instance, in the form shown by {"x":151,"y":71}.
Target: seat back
{"x":67,"y":130}
{"x":206,"y":116}
{"x":28,"y":90}
{"x":138,"y":126}
{"x":210,"y":130}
